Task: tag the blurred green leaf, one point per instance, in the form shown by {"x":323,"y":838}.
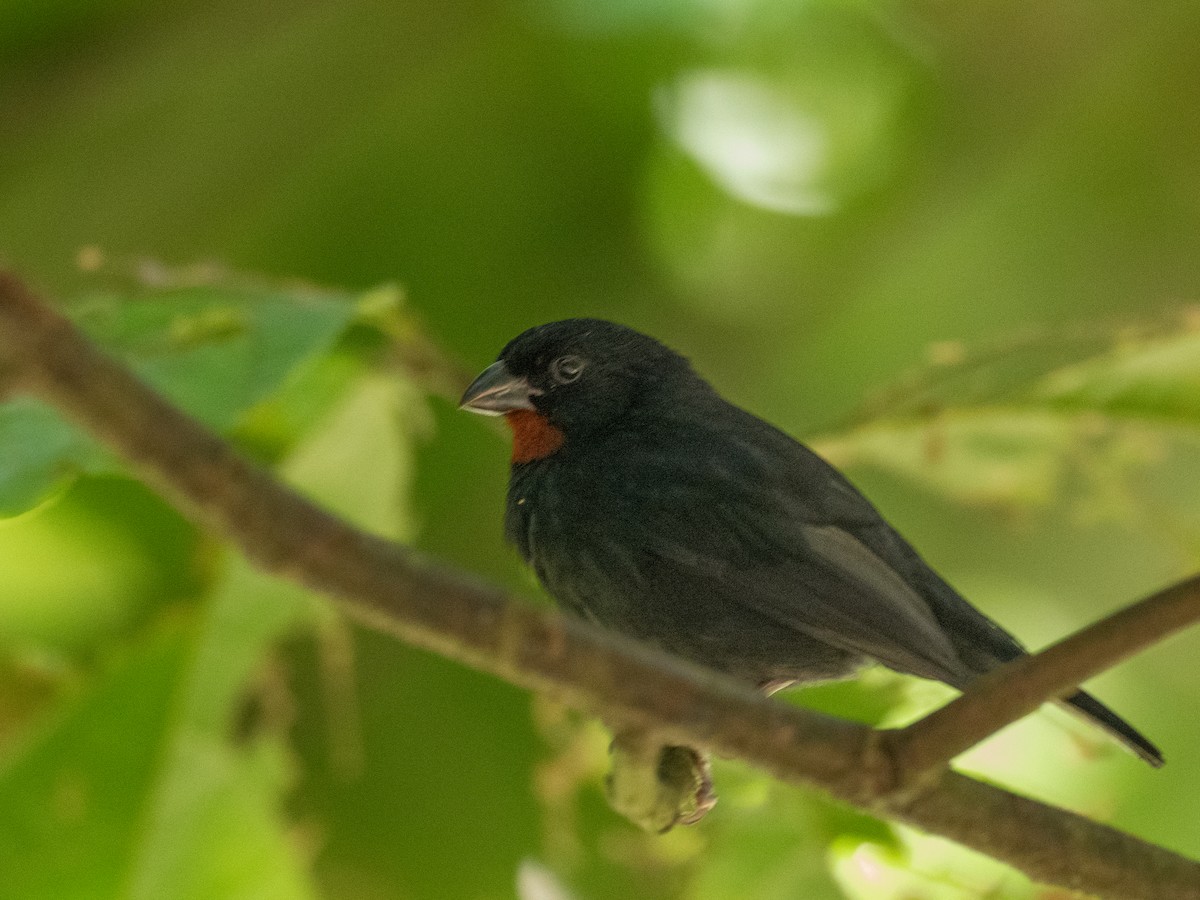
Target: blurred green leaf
{"x":770,"y":840}
{"x":1002,"y":457}
{"x":217,"y":352}
{"x":244,"y":619}
{"x":39,"y":453}
{"x":1013,"y":429}
{"x":210,"y":824}
{"x":97,"y":563}
{"x":1155,"y":379}
{"x":196,"y":815}
{"x":135,"y":790}
{"x":72,"y":796}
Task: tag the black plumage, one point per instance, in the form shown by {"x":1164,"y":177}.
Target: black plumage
{"x":650,"y":505}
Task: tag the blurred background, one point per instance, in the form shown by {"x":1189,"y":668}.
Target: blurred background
{"x":813,"y":199}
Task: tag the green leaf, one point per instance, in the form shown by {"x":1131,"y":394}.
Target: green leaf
{"x":40,"y":454}
{"x":770,"y":840}
{"x":70,"y":799}
{"x":1016,"y":428}
{"x":137,"y":791}
{"x":1154,"y":379}
{"x":99,"y":562}
{"x":209,"y":823}
{"x":219,"y":353}
{"x":979,"y":456}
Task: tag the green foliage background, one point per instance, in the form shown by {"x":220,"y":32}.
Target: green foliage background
{"x":992,"y":208}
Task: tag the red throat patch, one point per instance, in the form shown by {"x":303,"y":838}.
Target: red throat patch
{"x":533,"y":436}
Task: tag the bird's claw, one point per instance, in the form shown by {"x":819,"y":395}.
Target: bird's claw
{"x":658,"y":787}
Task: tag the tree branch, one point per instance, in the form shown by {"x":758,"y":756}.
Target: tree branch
{"x":1015,"y":690}
{"x":390,"y":588}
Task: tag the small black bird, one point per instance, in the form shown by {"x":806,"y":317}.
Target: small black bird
{"x":650,"y":505}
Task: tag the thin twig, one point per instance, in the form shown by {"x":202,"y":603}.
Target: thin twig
{"x":390,"y":588}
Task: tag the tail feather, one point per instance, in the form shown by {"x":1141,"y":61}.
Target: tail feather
{"x":1099,"y":714}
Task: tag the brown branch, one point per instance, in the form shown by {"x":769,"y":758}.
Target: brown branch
{"x":1015,"y":690}
{"x":390,"y":588}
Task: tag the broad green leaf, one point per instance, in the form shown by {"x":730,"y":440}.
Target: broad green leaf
{"x":39,"y":453}
{"x":98,"y":562}
{"x":71,"y":798}
{"x":219,"y":353}
{"x":999,"y":456}
{"x":1015,"y":430}
{"x":369,"y":431}
{"x":1155,"y":379}
{"x":209,"y":823}
{"x":136,"y":790}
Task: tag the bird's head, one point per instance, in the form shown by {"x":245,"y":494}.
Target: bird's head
{"x":562,"y":381}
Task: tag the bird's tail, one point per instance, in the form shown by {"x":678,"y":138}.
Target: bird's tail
{"x":1097,"y":713}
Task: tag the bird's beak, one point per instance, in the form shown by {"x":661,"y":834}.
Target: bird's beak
{"x":497,"y":391}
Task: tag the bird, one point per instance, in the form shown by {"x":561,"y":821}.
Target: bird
{"x":650,"y":505}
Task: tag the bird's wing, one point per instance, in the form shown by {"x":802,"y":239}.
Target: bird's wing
{"x":833,"y":587}
{"x":785,"y":534}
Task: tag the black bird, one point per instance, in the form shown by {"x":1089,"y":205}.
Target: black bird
{"x":650,"y":505}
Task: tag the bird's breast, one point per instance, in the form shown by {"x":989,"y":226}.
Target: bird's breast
{"x":534,"y":437}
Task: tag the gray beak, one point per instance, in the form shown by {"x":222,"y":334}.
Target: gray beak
{"x":497,"y":391}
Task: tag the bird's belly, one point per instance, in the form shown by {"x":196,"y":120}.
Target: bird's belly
{"x":688,"y":613}
{"x":602,"y":558}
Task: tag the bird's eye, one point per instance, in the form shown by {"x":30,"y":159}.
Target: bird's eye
{"x":566,"y":369}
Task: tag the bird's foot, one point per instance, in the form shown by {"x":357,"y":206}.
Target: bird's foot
{"x":658,"y":787}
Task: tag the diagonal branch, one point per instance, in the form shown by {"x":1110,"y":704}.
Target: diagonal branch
{"x":390,"y":588}
{"x":1015,"y":690}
